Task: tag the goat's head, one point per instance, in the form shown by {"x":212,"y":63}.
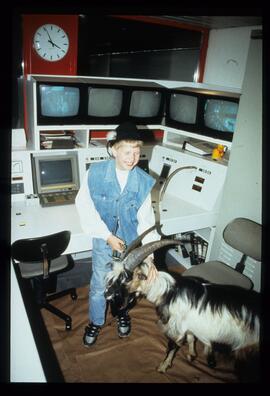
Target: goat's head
{"x":116,"y":282}
{"x":142,"y":278}
{"x":121,"y":282}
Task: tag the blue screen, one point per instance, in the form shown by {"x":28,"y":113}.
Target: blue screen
{"x":59,"y":101}
{"x":220,"y":115}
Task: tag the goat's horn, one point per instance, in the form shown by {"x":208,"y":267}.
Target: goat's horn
{"x":137,"y":241}
{"x":139,"y":254}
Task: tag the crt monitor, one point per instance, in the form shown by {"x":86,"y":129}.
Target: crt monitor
{"x":55,"y":173}
{"x":106,"y":104}
{"x":218,"y":118}
{"x":182,"y":110}
{"x":146,"y":105}
{"x":59,"y":103}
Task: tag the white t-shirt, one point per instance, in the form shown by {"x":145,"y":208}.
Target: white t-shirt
{"x":94,"y":226}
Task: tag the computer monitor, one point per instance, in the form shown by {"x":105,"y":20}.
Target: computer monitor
{"x":182,"y":110}
{"x":218,"y":118}
{"x":106,"y":104}
{"x":146,"y":105}
{"x":59,"y":103}
{"x":55,"y":173}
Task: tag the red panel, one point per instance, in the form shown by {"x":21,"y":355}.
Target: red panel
{"x":99,"y":134}
{"x":159,"y":134}
{"x":203,"y":54}
{"x":34,"y":64}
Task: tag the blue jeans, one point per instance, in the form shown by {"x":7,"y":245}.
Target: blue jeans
{"x":101,"y":258}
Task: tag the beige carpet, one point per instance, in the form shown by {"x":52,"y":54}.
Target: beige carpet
{"x":130,"y":360}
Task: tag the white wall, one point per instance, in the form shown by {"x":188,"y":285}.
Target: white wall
{"x":25,"y":365}
{"x":242,"y":194}
{"x":227,"y":55}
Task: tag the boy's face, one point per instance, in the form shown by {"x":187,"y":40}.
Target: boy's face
{"x":126,"y":156}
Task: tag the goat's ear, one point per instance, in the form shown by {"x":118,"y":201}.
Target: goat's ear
{"x":149,"y":260}
{"x":141,"y":276}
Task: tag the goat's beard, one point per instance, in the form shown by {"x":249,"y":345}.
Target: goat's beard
{"x":123,"y":299}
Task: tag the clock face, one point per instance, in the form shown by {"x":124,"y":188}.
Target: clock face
{"x":51,"y":42}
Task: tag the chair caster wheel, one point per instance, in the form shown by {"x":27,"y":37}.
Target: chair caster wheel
{"x":74,"y":297}
{"x":68,"y":327}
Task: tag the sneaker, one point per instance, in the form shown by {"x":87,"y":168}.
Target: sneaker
{"x":91,"y":334}
{"x":124,"y":325}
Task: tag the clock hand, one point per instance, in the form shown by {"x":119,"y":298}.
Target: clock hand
{"x":52,"y":43}
{"x":50,"y":40}
{"x":55,"y":45}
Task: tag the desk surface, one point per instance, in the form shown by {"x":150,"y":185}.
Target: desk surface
{"x":176,"y":214}
{"x":35,"y":221}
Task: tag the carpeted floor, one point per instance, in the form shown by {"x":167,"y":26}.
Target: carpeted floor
{"x":130,"y":360}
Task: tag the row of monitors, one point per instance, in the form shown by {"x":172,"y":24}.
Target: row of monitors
{"x":75,"y":104}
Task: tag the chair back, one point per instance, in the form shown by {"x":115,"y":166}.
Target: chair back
{"x":32,"y":249}
{"x":244,"y":235}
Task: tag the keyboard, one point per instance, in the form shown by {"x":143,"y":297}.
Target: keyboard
{"x":59,"y":198}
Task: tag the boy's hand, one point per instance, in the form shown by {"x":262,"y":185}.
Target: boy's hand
{"x":116,"y":243}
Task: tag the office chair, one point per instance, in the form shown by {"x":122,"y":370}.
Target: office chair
{"x":40,"y":260}
{"x":241,"y":234}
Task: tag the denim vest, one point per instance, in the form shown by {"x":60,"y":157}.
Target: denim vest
{"x":118,"y":210}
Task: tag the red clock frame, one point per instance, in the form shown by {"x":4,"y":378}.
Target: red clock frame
{"x":33,"y":63}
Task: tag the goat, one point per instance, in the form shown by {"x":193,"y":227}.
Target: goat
{"x":189,"y":307}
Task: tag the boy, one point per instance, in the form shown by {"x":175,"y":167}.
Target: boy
{"x":114,"y":205}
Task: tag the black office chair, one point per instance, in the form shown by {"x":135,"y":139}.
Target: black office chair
{"x":40,"y":260}
{"x":241,"y":234}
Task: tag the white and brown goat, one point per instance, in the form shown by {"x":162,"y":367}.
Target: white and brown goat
{"x":217,"y":315}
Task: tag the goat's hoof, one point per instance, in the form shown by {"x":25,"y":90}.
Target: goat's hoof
{"x":190,"y":358}
{"x":162,"y":368}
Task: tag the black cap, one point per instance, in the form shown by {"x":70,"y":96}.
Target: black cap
{"x":127,"y":131}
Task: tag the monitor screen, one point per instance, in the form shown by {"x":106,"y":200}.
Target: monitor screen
{"x":55,"y":172}
{"x":220,"y":115}
{"x":183,"y":108}
{"x":104,"y":102}
{"x":144,"y":104}
{"x":59,"y":101}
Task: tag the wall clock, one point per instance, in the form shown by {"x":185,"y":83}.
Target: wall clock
{"x":51,"y":42}
{"x":41,"y":52}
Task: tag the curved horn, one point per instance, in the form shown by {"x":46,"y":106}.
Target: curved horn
{"x":137,"y":241}
{"x":139,"y":254}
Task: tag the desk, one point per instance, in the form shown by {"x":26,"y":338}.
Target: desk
{"x":176,"y":214}
{"x":35,"y":221}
